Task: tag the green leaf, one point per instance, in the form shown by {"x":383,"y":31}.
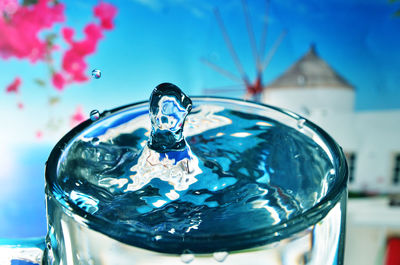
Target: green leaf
{"x":40,"y":82}
{"x":54,"y":100}
{"x":29,"y":2}
{"x":51,"y":36}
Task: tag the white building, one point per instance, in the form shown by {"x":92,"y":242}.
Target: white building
{"x":370,"y":139}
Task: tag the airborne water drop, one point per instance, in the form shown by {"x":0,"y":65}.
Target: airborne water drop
{"x":96,"y":73}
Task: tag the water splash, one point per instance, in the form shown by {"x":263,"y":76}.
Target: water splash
{"x":167,"y":155}
{"x":169,"y":107}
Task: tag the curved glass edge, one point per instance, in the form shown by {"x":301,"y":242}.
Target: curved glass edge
{"x":297,"y":224}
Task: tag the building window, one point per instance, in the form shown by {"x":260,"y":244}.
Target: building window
{"x":351,"y":162}
{"x":396,"y":169}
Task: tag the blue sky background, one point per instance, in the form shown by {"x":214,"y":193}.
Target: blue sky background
{"x":159,"y":41}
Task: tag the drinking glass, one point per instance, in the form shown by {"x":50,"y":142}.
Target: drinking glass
{"x":278,"y":198}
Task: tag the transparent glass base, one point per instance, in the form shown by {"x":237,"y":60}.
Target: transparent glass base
{"x":69,"y":242}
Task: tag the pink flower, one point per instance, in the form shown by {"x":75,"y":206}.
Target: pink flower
{"x":39,"y":134}
{"x":46,"y":15}
{"x":19,"y":33}
{"x":68,"y":34}
{"x":106,"y":13}
{"x":74,"y":64}
{"x":8,"y":6}
{"x":77,"y":117}
{"x":14,"y":86}
{"x":20,"y":105}
{"x":21,"y":27}
{"x":88,"y":46}
{"x":73,"y":61}
{"x":58,"y":81}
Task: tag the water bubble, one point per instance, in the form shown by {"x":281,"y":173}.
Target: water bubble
{"x":332,"y":171}
{"x":94,"y":115}
{"x":96,"y":73}
{"x":187,"y":256}
{"x":300,"y":123}
{"x":220,"y":256}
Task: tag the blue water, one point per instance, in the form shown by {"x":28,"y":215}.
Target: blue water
{"x":248,"y":181}
{"x":159,"y":183}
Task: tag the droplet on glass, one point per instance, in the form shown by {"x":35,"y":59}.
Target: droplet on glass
{"x":96,"y":73}
{"x":187,"y":256}
{"x":220,"y":256}
{"x":300,"y":123}
{"x":94,"y":115}
{"x":95,"y":141}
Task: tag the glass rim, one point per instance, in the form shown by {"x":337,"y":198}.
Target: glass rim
{"x":199,"y":244}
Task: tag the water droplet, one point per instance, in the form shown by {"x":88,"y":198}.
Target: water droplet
{"x":95,"y":141}
{"x":94,"y":115}
{"x":220,"y":256}
{"x":187,"y":256}
{"x":300,"y":123}
{"x":332,"y":171}
{"x":96,"y":73}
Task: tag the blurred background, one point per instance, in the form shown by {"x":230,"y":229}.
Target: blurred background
{"x":336,"y":62}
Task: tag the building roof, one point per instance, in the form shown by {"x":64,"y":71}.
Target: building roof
{"x":310,"y":71}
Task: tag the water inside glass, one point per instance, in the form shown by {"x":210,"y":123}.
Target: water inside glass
{"x":239,"y":183}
